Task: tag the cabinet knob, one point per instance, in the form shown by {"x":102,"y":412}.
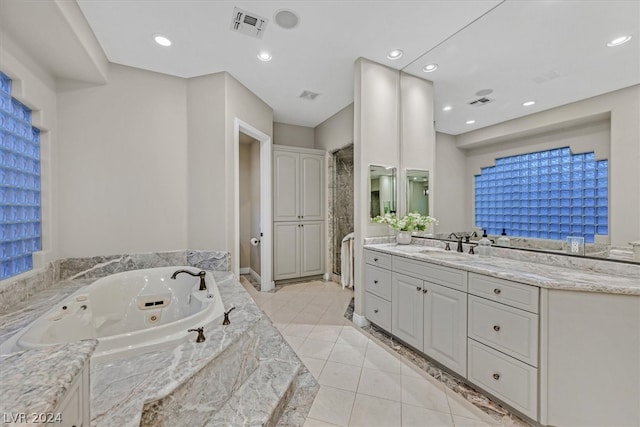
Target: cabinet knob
{"x":497,"y":291}
{"x":376,"y":310}
{"x":424,"y":291}
{"x":496,"y":376}
{"x":496,"y":328}
{"x":418,"y":288}
{"x":375,"y":281}
{"x":375,"y":259}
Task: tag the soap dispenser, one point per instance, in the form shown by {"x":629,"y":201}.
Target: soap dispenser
{"x":503,"y":240}
{"x":484,"y":246}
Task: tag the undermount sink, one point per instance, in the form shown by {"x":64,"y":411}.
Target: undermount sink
{"x":454,"y":256}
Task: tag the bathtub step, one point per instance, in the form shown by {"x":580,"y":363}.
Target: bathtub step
{"x":262,"y":398}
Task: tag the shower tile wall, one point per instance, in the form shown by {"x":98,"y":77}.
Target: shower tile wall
{"x":340,"y":202}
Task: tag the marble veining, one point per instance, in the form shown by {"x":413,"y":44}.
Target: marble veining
{"x":16,"y":290}
{"x":37,"y":380}
{"x":550,"y":274}
{"x":190,"y":383}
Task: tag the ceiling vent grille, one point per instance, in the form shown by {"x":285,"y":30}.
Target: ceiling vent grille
{"x":307,"y":94}
{"x":248,"y":23}
{"x":481,"y":101}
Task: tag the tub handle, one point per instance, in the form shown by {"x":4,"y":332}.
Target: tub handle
{"x":226,"y":320}
{"x":200,"y":332}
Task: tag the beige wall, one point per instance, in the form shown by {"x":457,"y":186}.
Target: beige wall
{"x":417,"y":137}
{"x":242,"y":104}
{"x":207,"y":172}
{"x":122,"y":173}
{"x":249,"y":204}
{"x":296,"y":136}
{"x":245,"y":205}
{"x":448,"y":185}
{"x":336,"y":132}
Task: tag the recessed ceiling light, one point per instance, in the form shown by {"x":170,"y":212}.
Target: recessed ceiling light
{"x":528,"y":103}
{"x":618,"y":41}
{"x":470,"y":122}
{"x":395,"y":54}
{"x":162,"y":40}
{"x":447,"y":108}
{"x":264,"y":56}
{"x":430,"y":68}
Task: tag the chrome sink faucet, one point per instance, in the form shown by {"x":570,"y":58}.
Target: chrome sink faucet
{"x":201,"y":274}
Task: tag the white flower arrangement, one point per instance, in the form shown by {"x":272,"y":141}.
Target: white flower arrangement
{"x":411,"y":222}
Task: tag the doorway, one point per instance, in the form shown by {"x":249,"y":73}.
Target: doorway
{"x":341,"y":201}
{"x":252,"y":153}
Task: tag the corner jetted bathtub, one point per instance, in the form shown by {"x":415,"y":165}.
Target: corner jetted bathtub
{"x":128,"y":313}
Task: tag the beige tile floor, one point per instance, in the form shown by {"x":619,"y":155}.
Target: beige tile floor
{"x":362,"y":382}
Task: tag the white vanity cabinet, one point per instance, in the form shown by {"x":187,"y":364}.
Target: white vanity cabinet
{"x":424,"y":305}
{"x":298,"y":213}
{"x":503,"y":340}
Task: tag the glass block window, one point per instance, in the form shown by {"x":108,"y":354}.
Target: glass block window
{"x":20,"y":230}
{"x":548,"y":195}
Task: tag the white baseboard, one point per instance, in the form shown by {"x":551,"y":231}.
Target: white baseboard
{"x":245,"y":270}
{"x":360,"y":321}
{"x":255,"y":275}
{"x":325,"y":277}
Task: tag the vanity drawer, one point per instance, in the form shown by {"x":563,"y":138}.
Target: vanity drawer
{"x":377,"y":281}
{"x":508,"y":329}
{"x":508,"y":379}
{"x":377,"y":311}
{"x":377,"y":258}
{"x":441,"y":275}
{"x":505,"y":291}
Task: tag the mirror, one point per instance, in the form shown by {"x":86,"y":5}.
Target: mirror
{"x":417,"y":191}
{"x":382,"y":187}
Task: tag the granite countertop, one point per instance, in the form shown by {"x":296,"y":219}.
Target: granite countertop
{"x":531,"y":273}
{"x":35,"y":381}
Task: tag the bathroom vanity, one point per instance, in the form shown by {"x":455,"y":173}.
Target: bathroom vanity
{"x":559,"y":345}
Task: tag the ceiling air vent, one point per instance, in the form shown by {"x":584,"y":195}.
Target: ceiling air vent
{"x":248,"y":23}
{"x":307,"y":94}
{"x":481,"y":101}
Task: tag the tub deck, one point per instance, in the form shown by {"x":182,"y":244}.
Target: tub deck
{"x":194,"y":383}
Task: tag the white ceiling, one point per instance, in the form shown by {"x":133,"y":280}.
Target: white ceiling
{"x":553,"y":52}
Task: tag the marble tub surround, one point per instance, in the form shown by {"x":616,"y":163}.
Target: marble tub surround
{"x":197,"y":383}
{"x":544,"y":271}
{"x":100,"y":266}
{"x":35,"y":381}
{"x":26,"y":286}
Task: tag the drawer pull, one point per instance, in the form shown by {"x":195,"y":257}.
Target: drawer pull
{"x":497,"y":291}
{"x":496,"y":376}
{"x":375,"y":259}
{"x":418,"y":288}
{"x":496,"y":328}
{"x":376,"y":310}
{"x":424,"y":291}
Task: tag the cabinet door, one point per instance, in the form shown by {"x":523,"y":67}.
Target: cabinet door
{"x":286,"y":187}
{"x":311,"y":187}
{"x":445,"y":326}
{"x":312,"y":248}
{"x":406,"y":309}
{"x":286,"y":250}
